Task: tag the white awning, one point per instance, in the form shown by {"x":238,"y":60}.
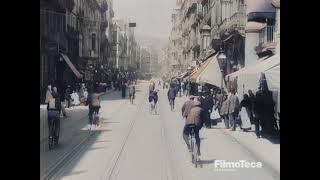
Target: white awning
{"x":74,"y":70}
{"x":249,"y":78}
{"x":212,"y":73}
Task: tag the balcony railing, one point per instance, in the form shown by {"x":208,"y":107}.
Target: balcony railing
{"x":267,"y":35}
{"x":236,"y":21}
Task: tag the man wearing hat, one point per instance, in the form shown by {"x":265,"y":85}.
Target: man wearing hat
{"x":187,"y":106}
{"x":194,"y":118}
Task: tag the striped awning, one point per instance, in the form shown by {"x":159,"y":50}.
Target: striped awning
{"x":71,"y":66}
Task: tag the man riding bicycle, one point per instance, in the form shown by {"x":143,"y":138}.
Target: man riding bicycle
{"x":94,"y":103}
{"x":54,"y":110}
{"x":194,"y":119}
{"x":153,"y":99}
{"x":132,"y":91}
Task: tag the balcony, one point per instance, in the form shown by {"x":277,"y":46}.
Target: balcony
{"x":104,"y":25}
{"x":267,"y":39}
{"x":236,"y":22}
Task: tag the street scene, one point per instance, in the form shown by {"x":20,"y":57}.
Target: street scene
{"x":154,"y":90}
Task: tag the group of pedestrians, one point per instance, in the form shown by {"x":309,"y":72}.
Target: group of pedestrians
{"x":253,"y":109}
{"x":75,"y":97}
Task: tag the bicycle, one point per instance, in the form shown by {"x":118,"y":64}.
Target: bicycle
{"x":53,"y":139}
{"x":95,"y":120}
{"x":194,"y":148}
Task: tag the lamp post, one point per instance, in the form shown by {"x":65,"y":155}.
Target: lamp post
{"x":222,"y":58}
{"x":189,"y":85}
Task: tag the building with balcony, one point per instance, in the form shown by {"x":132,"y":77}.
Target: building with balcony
{"x":260,"y":31}
{"x":59,"y":30}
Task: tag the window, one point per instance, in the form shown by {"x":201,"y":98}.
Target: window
{"x":93,"y":42}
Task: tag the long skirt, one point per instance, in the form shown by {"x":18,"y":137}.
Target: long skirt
{"x":245,"y":119}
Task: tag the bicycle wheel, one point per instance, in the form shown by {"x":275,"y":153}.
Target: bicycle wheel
{"x":192,"y":149}
{"x":51,"y":139}
{"x":195,"y":154}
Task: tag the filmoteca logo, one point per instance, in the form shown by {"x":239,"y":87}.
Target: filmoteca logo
{"x":223,"y":165}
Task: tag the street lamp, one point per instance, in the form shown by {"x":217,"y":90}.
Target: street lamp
{"x":189,"y":73}
{"x":222,"y":58}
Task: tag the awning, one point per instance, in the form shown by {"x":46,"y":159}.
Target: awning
{"x":182,"y":75}
{"x":254,"y":26}
{"x":211,"y":73}
{"x":249,"y":78}
{"x":74,"y":70}
{"x":195,"y":74}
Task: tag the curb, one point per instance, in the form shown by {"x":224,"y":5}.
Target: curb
{"x":266,"y":164}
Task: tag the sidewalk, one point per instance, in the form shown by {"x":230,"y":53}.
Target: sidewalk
{"x":263,"y":149}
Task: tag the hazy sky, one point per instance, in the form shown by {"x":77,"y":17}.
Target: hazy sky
{"x":153,"y":17}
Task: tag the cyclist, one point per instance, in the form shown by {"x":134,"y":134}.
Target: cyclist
{"x":94,"y":103}
{"x":194,"y":118}
{"x":132,"y":91}
{"x":153,"y":99}
{"x":54,"y":110}
{"x":172,"y":92}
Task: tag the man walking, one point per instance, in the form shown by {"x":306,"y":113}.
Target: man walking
{"x":172,"y":95}
{"x":233,"y":109}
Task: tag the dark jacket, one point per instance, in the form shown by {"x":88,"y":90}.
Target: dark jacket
{"x":196,"y":116}
{"x":67,"y":94}
{"x":206,"y":103}
{"x":186,"y":108}
{"x":172,"y":93}
{"x":56,"y":96}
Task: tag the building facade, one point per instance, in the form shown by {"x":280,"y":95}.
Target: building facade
{"x":207,"y":26}
{"x":78,"y":40}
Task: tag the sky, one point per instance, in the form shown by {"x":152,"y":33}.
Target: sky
{"x":153,"y":17}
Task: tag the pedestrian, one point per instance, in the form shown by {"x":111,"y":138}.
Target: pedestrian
{"x":48,"y":94}
{"x":54,"y":110}
{"x":188,"y":88}
{"x":233,"y":109}
{"x":75,"y":99}
{"x":132,"y":91}
{"x":67,"y":96}
{"x":264,"y":106}
{"x":253,"y":116}
{"x":172,"y":93}
{"x":182,"y":88}
{"x":245,"y":107}
{"x":224,"y":111}
{"x":123,"y":88}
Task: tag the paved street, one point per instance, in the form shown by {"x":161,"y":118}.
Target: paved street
{"x":134,"y":144}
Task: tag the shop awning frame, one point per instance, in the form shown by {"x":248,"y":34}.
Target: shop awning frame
{"x":71,"y":66}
